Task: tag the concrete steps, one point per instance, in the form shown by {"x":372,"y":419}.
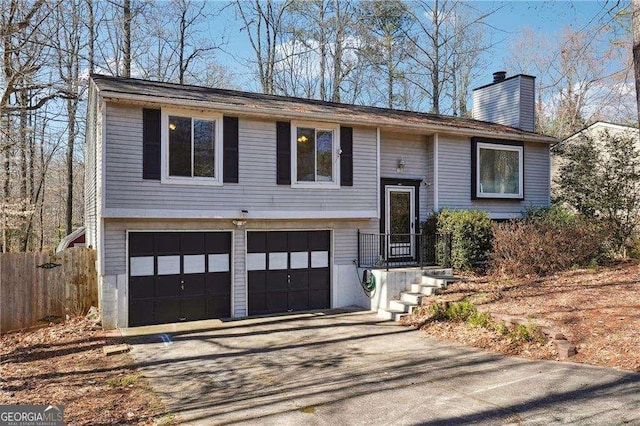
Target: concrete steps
{"x":431,"y":280}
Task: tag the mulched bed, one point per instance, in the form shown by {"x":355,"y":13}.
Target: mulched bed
{"x":597,"y":310}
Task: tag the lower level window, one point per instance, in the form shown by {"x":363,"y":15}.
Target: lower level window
{"x":499,"y":171}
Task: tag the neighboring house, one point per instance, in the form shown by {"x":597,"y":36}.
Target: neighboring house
{"x":74,"y":239}
{"x":207,"y":203}
{"x":595,"y":131}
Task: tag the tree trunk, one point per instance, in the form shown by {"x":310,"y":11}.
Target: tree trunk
{"x":91,"y":36}
{"x":636,"y":50}
{"x":126,"y":43}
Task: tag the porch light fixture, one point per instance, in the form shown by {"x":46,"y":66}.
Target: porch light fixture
{"x":239,"y":223}
{"x":400,"y":166}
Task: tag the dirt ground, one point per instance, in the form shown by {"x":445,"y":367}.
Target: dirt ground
{"x":598,"y":310}
{"x":65,"y":364}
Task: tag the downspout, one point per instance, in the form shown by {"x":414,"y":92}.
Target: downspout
{"x":378,"y":171}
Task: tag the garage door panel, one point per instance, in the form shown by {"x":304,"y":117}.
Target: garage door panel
{"x":194,"y":285}
{"x":217,"y":284}
{"x":218,"y":242}
{"x":298,"y":241}
{"x":319,"y":279}
{"x":193,"y":308}
{"x":299,"y":300}
{"x":277,"y":301}
{"x":141,"y":312}
{"x":257,"y":281}
{"x":167,"y":243}
{"x":319,"y":240}
{"x":141,"y":287}
{"x":277,"y":241}
{"x":299,"y":280}
{"x":167,"y":310}
{"x":257,"y":242}
{"x":192,"y":243}
{"x":141,"y":244}
{"x":167,"y":286}
{"x":277,"y":280}
{"x":219,"y":307}
{"x":319,"y":299}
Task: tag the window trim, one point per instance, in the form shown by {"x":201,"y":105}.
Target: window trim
{"x":216,"y":180}
{"x":477,"y":144}
{"x":335,"y":157}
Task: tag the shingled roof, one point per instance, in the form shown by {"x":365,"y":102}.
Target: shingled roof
{"x":272,"y":106}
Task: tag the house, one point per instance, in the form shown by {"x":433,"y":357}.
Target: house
{"x":208,"y":203}
{"x":595,"y":131}
{"x":74,"y":239}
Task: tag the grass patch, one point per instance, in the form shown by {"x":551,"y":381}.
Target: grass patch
{"x":121,"y":382}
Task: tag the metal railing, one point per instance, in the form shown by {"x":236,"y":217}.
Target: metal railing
{"x":400,"y":250}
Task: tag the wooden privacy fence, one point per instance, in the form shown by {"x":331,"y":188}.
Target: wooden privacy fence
{"x":38,"y":287}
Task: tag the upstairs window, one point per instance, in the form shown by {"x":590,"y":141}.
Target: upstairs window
{"x":498,"y":171}
{"x":314,"y":159}
{"x":192,"y":147}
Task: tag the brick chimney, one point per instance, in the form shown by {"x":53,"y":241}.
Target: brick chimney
{"x":508,"y":100}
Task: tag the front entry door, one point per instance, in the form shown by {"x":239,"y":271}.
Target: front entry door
{"x":399,"y":219}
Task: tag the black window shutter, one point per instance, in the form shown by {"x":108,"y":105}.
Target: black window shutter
{"x":230,"y":148}
{"x":283,"y":152}
{"x":151,"y":131}
{"x":346,"y":156}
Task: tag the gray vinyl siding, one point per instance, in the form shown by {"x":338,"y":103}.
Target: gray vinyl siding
{"x":257,"y":188}
{"x":510,"y":102}
{"x":454,"y":178}
{"x":527,"y":104}
{"x":430,"y":176}
{"x":345,"y":236}
{"x":91,"y":170}
{"x":413,"y":149}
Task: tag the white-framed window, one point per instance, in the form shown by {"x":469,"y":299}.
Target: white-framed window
{"x":499,"y":170}
{"x":314,"y":155}
{"x":191,"y":147}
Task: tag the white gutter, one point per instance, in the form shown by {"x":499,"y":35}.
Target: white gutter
{"x":271,"y":112}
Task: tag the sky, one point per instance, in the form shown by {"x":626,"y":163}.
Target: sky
{"x":509,"y":18}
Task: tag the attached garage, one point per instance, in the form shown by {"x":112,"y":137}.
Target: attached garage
{"x":288,"y":271}
{"x":179,"y":276}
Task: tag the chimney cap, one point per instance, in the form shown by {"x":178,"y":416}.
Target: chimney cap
{"x":499,"y":76}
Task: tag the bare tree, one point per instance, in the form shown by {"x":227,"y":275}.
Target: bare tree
{"x":263,"y":22}
{"x":635,"y":22}
{"x":385,"y":25}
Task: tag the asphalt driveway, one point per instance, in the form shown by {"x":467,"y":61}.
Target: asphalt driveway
{"x":343,"y":368}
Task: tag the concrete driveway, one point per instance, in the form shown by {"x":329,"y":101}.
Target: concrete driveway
{"x":344,"y":368}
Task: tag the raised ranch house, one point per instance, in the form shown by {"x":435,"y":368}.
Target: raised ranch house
{"x":207,"y":203}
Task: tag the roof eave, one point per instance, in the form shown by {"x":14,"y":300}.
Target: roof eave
{"x":322,"y":116}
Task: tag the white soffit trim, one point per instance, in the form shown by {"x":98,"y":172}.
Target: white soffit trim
{"x":234,"y":214}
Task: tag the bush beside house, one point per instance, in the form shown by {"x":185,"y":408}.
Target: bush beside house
{"x":470,"y":232}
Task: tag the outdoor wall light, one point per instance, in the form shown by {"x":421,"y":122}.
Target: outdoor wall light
{"x":400,"y":166}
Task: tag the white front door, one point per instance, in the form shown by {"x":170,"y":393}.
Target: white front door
{"x":399,"y":220}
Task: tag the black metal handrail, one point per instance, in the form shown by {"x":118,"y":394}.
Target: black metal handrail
{"x":398,"y":250}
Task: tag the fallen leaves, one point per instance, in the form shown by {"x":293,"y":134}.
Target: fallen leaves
{"x":598,"y":311}
{"x":64,"y":364}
